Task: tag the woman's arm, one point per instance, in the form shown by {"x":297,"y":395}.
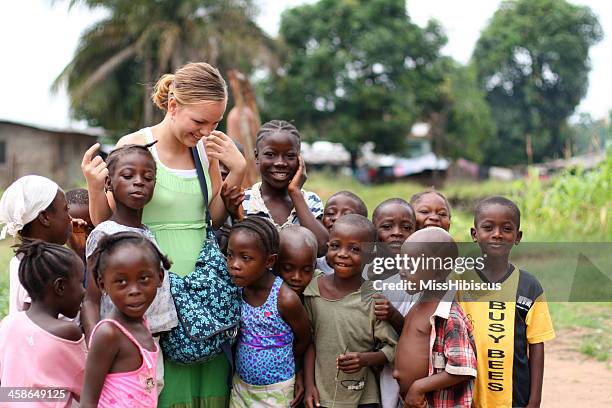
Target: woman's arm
{"x":292,"y":311}
{"x":307,"y":219}
{"x":536,"y":373}
{"x":100,"y":357}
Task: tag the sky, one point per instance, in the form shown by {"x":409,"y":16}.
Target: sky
{"x":39,"y":37}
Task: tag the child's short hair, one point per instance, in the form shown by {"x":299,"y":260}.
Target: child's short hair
{"x":264,"y":229}
{"x":77,"y":196}
{"x":358,"y":221}
{"x":42,"y":263}
{"x":113,"y":157}
{"x":399,"y":201}
{"x":293,"y":231}
{"x":108,"y":243}
{"x":277,"y":126}
{"x":417,"y":197}
{"x":362,"y":207}
{"x":497,"y":200}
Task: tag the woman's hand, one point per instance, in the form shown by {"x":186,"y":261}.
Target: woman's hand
{"x":220,"y":146}
{"x":94,"y":169}
{"x":300,"y":177}
{"x":232,"y":199}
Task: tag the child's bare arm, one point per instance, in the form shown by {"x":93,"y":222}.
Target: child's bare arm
{"x":103,"y":351}
{"x":95,"y":172}
{"x":292,"y":311}
{"x":536,"y":373}
{"x":439,"y":381}
{"x":353,"y":362}
{"x":311,"y":395}
{"x":90,"y":310}
{"x":307,"y":219}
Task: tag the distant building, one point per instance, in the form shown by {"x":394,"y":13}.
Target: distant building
{"x":53,"y":153}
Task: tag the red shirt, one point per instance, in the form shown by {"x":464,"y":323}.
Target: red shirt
{"x":452,"y":349}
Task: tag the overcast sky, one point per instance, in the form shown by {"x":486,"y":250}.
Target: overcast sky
{"x":38,"y":40}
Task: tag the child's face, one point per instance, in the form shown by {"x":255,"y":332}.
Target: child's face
{"x":59,"y":222}
{"x":496,"y":230}
{"x":346,"y":249}
{"x":296,"y":264}
{"x":432,"y":211}
{"x":246,"y":261}
{"x":278,"y":159}
{"x":394,"y":223}
{"x":133,"y":180}
{"x":338,"y":206}
{"x":131,"y":278}
{"x":74,"y":290}
{"x":194,"y":121}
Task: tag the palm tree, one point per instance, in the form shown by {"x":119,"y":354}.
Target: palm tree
{"x":120,"y":57}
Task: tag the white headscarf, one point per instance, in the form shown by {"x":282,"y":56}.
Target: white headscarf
{"x":23,"y":201}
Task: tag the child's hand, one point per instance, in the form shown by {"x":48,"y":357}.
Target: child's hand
{"x":350,"y":362}
{"x":94,"y":168}
{"x":415,"y":398}
{"x":232,"y":199}
{"x":299,"y":389}
{"x":78,"y":238}
{"x":298,"y":180}
{"x":220,"y":146}
{"x":383,"y":309}
{"x":311,"y":397}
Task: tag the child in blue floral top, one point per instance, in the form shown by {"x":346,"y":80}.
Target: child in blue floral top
{"x":274,"y":327}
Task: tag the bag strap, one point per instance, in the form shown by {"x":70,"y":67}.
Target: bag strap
{"x":202,"y":180}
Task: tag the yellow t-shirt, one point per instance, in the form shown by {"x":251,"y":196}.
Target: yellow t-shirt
{"x":505,"y":322}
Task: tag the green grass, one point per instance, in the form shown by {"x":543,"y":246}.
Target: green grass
{"x":592,"y":323}
{"x":6,"y":253}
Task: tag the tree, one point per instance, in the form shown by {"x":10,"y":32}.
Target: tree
{"x":465,"y":115}
{"x":355,"y":71}
{"x":119,"y":58}
{"x":533,"y":61}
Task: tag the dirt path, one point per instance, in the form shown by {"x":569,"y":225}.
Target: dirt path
{"x":573,"y":380}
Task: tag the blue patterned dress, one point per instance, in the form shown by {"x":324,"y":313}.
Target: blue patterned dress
{"x":265,"y":346}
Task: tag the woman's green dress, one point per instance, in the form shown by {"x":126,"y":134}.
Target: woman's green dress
{"x":176,"y":217}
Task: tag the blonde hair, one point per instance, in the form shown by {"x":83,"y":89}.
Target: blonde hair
{"x":192,"y":83}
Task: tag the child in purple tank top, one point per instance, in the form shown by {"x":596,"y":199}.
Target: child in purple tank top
{"x":274,"y":327}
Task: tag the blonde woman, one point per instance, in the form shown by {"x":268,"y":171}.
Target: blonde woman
{"x":194,"y":99}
